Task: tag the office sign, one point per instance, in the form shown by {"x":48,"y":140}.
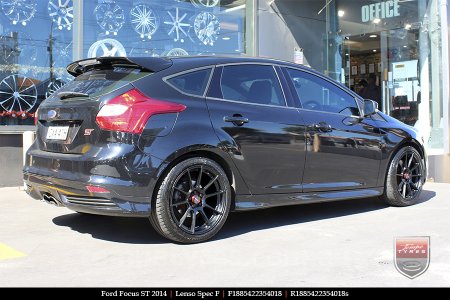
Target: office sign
{"x":380,"y":10}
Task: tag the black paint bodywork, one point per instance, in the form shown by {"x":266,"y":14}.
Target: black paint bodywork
{"x":277,"y":158}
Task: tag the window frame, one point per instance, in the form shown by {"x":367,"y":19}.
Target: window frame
{"x":333,"y":83}
{"x":221,"y":68}
{"x":167,"y":78}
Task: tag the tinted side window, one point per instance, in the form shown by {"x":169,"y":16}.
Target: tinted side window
{"x":191,"y":83}
{"x":316,"y":93}
{"x":252,"y":84}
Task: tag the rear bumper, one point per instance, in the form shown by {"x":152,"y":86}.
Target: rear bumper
{"x":74,"y":195}
{"x":128,"y":175}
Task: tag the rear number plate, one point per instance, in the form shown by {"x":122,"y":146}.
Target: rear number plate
{"x":57,"y":133}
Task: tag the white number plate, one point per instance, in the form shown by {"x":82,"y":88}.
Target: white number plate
{"x":57,"y":133}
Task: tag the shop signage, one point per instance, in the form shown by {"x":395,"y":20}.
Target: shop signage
{"x":380,"y":10}
{"x":298,"y":56}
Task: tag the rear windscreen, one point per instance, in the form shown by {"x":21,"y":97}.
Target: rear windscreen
{"x":98,"y":82}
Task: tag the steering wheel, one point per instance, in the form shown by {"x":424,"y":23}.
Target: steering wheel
{"x":312,"y":105}
{"x":353,"y":110}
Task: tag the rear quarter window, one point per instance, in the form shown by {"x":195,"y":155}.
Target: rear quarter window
{"x":193,"y":83}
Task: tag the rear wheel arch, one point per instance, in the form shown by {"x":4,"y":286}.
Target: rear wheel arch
{"x":198,"y":153}
{"x":171,"y":209}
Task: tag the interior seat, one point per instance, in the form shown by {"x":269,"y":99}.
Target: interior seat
{"x":261,"y":92}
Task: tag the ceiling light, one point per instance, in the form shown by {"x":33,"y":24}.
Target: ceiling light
{"x":376,"y":21}
{"x":374,"y":50}
{"x":326,"y":4}
{"x":346,"y":54}
{"x":226,"y":38}
{"x":341,"y":13}
{"x":405,"y":46}
{"x":373,"y":36}
{"x":234,"y":8}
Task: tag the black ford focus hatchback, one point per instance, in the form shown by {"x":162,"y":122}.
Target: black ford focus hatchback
{"x":184,"y":141}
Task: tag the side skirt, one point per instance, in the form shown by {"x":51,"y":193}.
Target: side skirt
{"x":251,"y":202}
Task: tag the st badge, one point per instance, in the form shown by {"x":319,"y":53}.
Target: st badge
{"x":88,"y":131}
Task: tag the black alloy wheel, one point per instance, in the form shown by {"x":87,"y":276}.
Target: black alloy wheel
{"x":409,"y":175}
{"x":193,"y":201}
{"x":197,"y":199}
{"x":405,"y":179}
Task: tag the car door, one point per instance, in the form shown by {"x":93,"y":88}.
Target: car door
{"x":343,"y":149}
{"x":264,"y":136}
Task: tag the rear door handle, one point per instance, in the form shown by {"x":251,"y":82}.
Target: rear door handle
{"x":322,"y":126}
{"x":236,"y":119}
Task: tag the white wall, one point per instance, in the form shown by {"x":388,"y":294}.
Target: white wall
{"x":289,"y":24}
{"x":439,"y":165}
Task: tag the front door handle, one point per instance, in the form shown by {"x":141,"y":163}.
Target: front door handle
{"x":236,"y":119}
{"x":322,"y":126}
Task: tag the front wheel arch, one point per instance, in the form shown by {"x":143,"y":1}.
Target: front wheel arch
{"x":391,"y":184}
{"x":412,"y":143}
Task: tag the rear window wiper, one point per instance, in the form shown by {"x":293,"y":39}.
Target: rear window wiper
{"x":67,"y":95}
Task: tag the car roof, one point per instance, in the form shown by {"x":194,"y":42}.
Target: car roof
{"x":155,"y":64}
{"x":205,"y":60}
{"x":175,"y":64}
{"x":191,"y":62}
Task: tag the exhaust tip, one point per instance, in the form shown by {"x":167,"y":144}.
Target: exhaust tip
{"x":48,"y":198}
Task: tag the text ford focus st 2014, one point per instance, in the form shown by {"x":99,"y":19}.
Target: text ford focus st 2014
{"x":184,"y":141}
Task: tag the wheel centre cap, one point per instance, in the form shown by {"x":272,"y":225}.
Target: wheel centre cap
{"x":406,"y":175}
{"x":196,"y":199}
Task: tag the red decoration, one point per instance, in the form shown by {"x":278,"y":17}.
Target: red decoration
{"x":17,"y":114}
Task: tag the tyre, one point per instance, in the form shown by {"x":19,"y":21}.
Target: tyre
{"x":405,"y":178}
{"x":192,"y":202}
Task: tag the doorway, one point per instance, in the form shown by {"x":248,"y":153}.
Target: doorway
{"x":384,"y":66}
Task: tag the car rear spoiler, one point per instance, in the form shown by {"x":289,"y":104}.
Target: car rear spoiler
{"x":148,"y":64}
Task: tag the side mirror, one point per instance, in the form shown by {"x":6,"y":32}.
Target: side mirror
{"x":370,"y":107}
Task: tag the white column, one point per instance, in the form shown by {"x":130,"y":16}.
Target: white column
{"x":28,"y":139}
{"x":77,"y":30}
{"x":445,"y":73}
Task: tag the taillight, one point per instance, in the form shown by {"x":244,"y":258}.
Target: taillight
{"x":130,"y":112}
